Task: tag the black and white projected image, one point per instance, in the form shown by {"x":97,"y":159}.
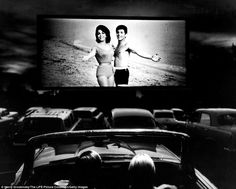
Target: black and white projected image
{"x":65,"y":41}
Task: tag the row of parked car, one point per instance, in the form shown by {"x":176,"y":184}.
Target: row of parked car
{"x":41,"y":120}
{"x":211,"y":126}
{"x":215,"y":127}
{"x":62,"y":135}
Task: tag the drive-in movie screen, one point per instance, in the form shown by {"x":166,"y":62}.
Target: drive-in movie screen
{"x":147,"y":52}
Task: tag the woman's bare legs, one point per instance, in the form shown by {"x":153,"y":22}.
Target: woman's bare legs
{"x":111,"y":81}
{"x":102,"y":81}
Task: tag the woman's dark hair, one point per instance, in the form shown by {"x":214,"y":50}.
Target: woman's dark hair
{"x":87,"y":168}
{"x":90,"y":158}
{"x":122,"y":27}
{"x":105,"y":30}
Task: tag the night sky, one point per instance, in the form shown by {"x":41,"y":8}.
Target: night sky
{"x":211,"y":52}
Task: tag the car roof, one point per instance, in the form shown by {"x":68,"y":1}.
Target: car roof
{"x":34,"y":108}
{"x":86,"y":112}
{"x":50,"y":113}
{"x":90,"y":109}
{"x":123,"y":112}
{"x":177,"y":109}
{"x":162,"y":111}
{"x":217,"y":110}
{"x":2,"y":109}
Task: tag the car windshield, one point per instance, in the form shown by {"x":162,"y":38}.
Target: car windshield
{"x":164,"y":115}
{"x":55,"y":157}
{"x":43,"y":125}
{"x":110,"y":150}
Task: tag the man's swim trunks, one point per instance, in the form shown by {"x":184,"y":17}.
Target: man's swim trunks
{"x":121,"y":76}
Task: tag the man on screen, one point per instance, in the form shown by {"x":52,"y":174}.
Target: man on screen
{"x":122,"y":55}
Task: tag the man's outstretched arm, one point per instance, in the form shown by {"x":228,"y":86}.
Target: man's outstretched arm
{"x":155,"y":57}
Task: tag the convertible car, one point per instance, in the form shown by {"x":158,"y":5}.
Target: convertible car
{"x":51,"y":159}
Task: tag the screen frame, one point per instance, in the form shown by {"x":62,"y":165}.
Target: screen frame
{"x":39,"y":85}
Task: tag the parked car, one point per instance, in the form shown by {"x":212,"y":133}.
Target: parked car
{"x":51,"y":159}
{"x":19,"y":121}
{"x":179,"y":114}
{"x":132,"y":118}
{"x":40,"y":120}
{"x":86,"y":112}
{"x":33,"y":109}
{"x":7,"y":120}
{"x":5,"y":113}
{"x":90,"y":118}
{"x":213,"y":126}
{"x":164,"y":117}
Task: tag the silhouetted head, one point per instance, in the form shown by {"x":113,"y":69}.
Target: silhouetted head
{"x":141,"y":172}
{"x":87,"y":168}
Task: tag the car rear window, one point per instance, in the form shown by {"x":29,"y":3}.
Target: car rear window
{"x":43,"y":125}
{"x":134,"y":122}
{"x":164,"y":115}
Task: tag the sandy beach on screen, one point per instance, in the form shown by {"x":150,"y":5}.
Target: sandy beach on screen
{"x":62,"y":66}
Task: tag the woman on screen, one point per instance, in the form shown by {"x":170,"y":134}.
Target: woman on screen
{"x":103,"y":53}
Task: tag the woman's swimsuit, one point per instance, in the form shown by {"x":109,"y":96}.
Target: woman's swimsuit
{"x":104,"y":58}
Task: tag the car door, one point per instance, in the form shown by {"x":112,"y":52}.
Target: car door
{"x":201,"y":126}
{"x":210,"y":133}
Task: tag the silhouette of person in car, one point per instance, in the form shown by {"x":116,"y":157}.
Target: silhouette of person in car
{"x":87,"y":169}
{"x":142,"y":172}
